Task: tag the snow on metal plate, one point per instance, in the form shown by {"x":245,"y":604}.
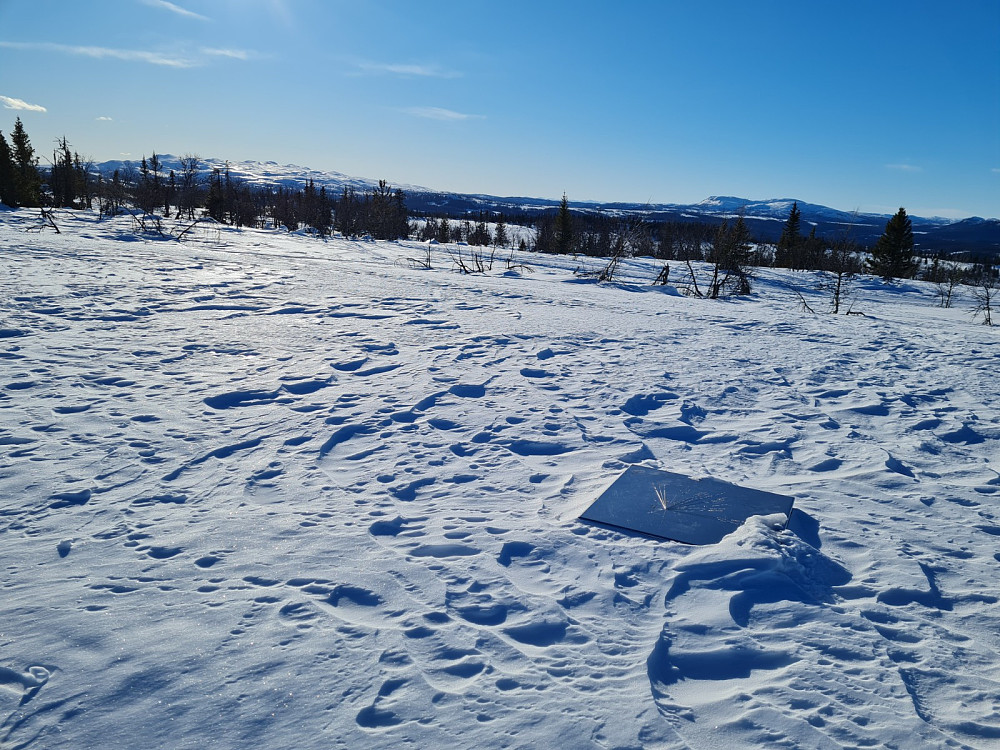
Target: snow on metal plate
{"x":676,"y":507}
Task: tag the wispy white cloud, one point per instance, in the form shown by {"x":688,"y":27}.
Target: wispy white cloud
{"x":439,"y":113}
{"x":995,"y":170}
{"x":408,"y":70}
{"x":904,"y":167}
{"x":103,"y":119}
{"x":163,"y":4}
{"x":100,"y":53}
{"x":10,"y":102}
{"x":235,"y":54}
{"x":175,"y":59}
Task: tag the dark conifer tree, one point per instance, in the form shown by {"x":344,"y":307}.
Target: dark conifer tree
{"x":480,"y":235}
{"x":430,"y":230}
{"x":788,"y":253}
{"x":668,"y":241}
{"x":323,"y":216}
{"x":348,"y":213}
{"x":564,"y":239}
{"x":61,"y":175}
{"x":215,"y":203}
{"x":230,"y":205}
{"x":147,"y":198}
{"x":142,"y":189}
{"x":386,"y":216}
{"x":544,"y":239}
{"x":400,"y":216}
{"x":309,"y":200}
{"x":283,"y":209}
{"x":892,"y":256}
{"x":28,"y":183}
{"x":69,"y":181}
{"x":8,"y":184}
{"x":444,"y":230}
{"x":812,"y":253}
{"x":155,"y":165}
{"x":500,"y":236}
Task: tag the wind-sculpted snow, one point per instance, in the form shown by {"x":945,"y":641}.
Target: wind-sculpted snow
{"x":262,"y":490}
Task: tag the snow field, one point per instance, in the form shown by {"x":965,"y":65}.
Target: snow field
{"x":264,"y":490}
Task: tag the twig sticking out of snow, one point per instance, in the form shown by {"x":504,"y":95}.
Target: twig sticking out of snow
{"x":661,"y":495}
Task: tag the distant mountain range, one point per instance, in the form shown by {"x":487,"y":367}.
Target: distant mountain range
{"x":764,"y":218}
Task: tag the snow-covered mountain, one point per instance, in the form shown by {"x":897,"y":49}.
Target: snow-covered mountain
{"x":764,"y":217}
{"x":262,"y":173}
{"x":774,"y":208}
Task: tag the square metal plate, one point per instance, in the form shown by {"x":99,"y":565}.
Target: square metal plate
{"x":676,"y":507}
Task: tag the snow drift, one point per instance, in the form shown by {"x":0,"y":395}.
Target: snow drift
{"x":270,"y":491}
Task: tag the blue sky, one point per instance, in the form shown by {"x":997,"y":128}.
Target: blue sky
{"x":870,"y":105}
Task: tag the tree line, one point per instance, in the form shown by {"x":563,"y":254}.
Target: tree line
{"x":892,"y":257}
{"x":151,"y":188}
{"x":381,"y":213}
{"x":485,"y":230}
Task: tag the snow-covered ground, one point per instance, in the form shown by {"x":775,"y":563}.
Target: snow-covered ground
{"x":262,"y":490}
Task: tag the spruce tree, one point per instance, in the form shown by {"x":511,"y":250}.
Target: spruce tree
{"x":481,"y":234}
{"x":444,"y":230}
{"x":564,"y":228}
{"x":8,"y":187}
{"x":401,"y":219}
{"x":500,"y":238}
{"x":892,"y":256}
{"x":544,"y":241}
{"x":347,"y":213}
{"x":27,"y":181}
{"x":145,"y":194}
{"x":787,"y":253}
{"x":323,"y":220}
{"x":813,"y":252}
{"x":63,"y":177}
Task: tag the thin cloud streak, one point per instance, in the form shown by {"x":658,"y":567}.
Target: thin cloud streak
{"x":408,"y":70}
{"x":439,"y":113}
{"x":164,"y":59}
{"x":9,"y":102}
{"x":235,"y":54}
{"x":101,"y":53}
{"x":165,"y":5}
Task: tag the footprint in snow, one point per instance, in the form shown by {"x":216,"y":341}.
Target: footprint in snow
{"x":25,"y":684}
